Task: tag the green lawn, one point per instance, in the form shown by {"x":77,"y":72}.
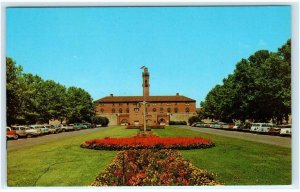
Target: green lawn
{"x":64,"y":163}
{"x":239,"y":162}
{"x":61,"y":163}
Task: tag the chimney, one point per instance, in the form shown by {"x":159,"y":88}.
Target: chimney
{"x":177,"y":94}
{"x":111,"y":95}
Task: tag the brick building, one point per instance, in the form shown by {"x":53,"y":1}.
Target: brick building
{"x":124,"y":110}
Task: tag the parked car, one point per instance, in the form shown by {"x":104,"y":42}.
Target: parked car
{"x":88,"y":125}
{"x":65,"y":127}
{"x":261,"y":127}
{"x":78,"y":126}
{"x":20,"y":130}
{"x":216,"y":125}
{"x":285,"y":130}
{"x":236,"y":127}
{"x":11,"y":134}
{"x":53,"y":129}
{"x":227,"y":125}
{"x":33,"y":131}
{"x":198,"y":124}
{"x":40,"y":129}
{"x":208,"y":125}
{"x":219,"y":125}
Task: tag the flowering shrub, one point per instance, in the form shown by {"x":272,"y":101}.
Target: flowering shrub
{"x":149,"y":142}
{"x":142,"y":134}
{"x":152,"y":167}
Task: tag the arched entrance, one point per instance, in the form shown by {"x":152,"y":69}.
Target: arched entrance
{"x":124,"y":122}
{"x":162,"y":121}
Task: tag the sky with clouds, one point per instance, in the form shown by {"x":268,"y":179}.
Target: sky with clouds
{"x":188,"y":50}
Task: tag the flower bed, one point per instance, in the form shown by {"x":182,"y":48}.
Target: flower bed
{"x":148,"y":143}
{"x":152,"y":167}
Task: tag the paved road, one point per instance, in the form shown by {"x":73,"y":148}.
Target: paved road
{"x":268,"y":139}
{"x":25,"y":142}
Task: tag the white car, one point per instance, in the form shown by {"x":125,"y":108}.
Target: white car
{"x":235,"y":127}
{"x":261,"y":127}
{"x":31,"y":132}
{"x":43,"y":128}
{"x":285,"y":130}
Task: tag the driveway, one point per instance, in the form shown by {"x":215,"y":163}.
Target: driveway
{"x":25,"y":142}
{"x":268,"y":139}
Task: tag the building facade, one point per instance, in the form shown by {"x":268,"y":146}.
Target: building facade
{"x":159,"y":110}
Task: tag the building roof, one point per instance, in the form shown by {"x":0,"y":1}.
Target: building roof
{"x":132,"y":99}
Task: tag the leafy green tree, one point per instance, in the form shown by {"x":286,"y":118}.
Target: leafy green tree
{"x":79,"y":105}
{"x":194,"y":119}
{"x":31,"y":107}
{"x":259,"y":89}
{"x":52,"y":100}
{"x":13,"y":91}
{"x":100,"y":120}
{"x":211,"y":104}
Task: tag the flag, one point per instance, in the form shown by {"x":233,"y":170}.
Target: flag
{"x":142,"y":67}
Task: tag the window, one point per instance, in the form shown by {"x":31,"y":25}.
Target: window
{"x":113,"y":110}
{"x":176,"y":110}
{"x":136,"y":109}
{"x":120,"y":110}
{"x":168,"y":104}
{"x":187,"y":103}
{"x":120,"y":104}
{"x":187,"y":110}
{"x":161,"y":109}
{"x":102,"y":110}
{"x":154,"y":109}
{"x":113,"y":104}
{"x":154,"y":104}
{"x":169,"y":110}
{"x":127,"y":110}
{"x":101,"y":104}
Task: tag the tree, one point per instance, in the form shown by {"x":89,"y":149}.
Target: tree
{"x":13,"y":91}
{"x":259,"y":89}
{"x":98,"y":120}
{"x":32,"y":106}
{"x":194,"y":119}
{"x":79,"y":105}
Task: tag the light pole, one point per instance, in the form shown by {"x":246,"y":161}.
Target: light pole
{"x":144,"y":103}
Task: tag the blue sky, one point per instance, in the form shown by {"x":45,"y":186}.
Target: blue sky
{"x":187,"y":49}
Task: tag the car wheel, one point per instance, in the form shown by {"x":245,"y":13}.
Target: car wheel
{"x":16,"y":137}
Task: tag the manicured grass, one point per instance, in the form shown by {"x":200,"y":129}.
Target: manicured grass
{"x":61,"y":163}
{"x":64,"y":163}
{"x":238,"y":162}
